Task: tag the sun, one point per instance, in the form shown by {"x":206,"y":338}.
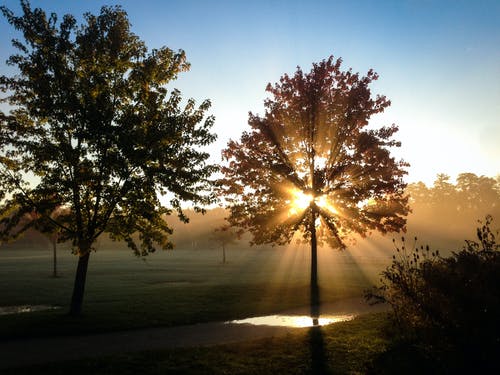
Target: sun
{"x":300,"y":201}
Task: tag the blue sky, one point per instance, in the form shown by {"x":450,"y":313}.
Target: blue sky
{"x":439,"y":63}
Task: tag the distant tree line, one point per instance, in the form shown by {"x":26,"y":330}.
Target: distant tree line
{"x":470,"y":193}
{"x":447,"y":211}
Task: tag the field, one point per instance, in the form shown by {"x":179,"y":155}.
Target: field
{"x":170,"y":288}
{"x":191,"y":285}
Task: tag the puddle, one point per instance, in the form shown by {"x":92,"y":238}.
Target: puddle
{"x":296,"y":321}
{"x":335,"y":312}
{"x":6,"y":310}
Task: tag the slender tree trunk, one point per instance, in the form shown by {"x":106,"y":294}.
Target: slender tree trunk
{"x":223,"y":254}
{"x":314,"y":270}
{"x":79,"y":286}
{"x":54,"y":252}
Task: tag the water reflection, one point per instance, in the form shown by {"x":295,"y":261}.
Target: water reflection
{"x":297,"y":321}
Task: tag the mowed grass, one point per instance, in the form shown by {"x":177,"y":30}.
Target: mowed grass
{"x":182,"y":286}
{"x":344,"y":348}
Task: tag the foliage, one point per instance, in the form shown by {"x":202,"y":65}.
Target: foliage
{"x":312,"y":146}
{"x":449,"y":304}
{"x":93,"y":129}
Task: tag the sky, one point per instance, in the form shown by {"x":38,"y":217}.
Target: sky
{"x":438,"y":61}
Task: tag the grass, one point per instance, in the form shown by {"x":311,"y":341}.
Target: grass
{"x":171,"y":288}
{"x":190,"y":286}
{"x":343,"y":348}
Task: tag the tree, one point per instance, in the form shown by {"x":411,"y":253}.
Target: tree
{"x":419,"y":193}
{"x":477,"y":193}
{"x":443,"y":191}
{"x":51,"y":231}
{"x":224,"y":236}
{"x":311,"y":164}
{"x":93,"y":129}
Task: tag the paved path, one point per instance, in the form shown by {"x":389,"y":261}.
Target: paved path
{"x":42,"y":350}
{"x":24,"y":352}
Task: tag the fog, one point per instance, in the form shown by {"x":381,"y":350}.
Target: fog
{"x":443,"y":216}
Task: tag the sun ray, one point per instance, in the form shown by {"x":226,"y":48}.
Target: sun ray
{"x":300,"y":201}
{"x":326,"y":204}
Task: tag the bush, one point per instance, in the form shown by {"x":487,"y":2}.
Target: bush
{"x":448,"y":306}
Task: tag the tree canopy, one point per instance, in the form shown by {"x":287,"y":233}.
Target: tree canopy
{"x":94,"y":129}
{"x":312,"y":163}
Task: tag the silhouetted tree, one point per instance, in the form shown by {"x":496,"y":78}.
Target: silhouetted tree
{"x":224,"y":236}
{"x":94,"y":129}
{"x":419,"y":193}
{"x":51,"y":231}
{"x":443,"y":190}
{"x":477,"y":192}
{"x":310,"y":164}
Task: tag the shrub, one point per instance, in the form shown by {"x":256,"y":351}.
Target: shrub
{"x":449,"y":306}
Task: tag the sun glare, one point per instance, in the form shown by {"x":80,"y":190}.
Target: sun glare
{"x":325,"y":204}
{"x":297,"y":321}
{"x":366,"y":203}
{"x":300,"y":201}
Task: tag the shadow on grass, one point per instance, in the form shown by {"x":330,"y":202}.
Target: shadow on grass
{"x":316,"y":339}
{"x":318,"y":352}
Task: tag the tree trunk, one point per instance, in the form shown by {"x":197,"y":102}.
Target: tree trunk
{"x":314,"y":270}
{"x":79,"y":286}
{"x":54,"y":251}
{"x":223,"y":254}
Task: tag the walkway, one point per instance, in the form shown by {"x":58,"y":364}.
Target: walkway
{"x":14,"y":353}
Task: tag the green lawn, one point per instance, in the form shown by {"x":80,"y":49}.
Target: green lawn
{"x":171,"y":288}
{"x":189,"y":286}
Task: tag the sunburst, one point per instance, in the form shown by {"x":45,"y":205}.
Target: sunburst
{"x":300,"y":201}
